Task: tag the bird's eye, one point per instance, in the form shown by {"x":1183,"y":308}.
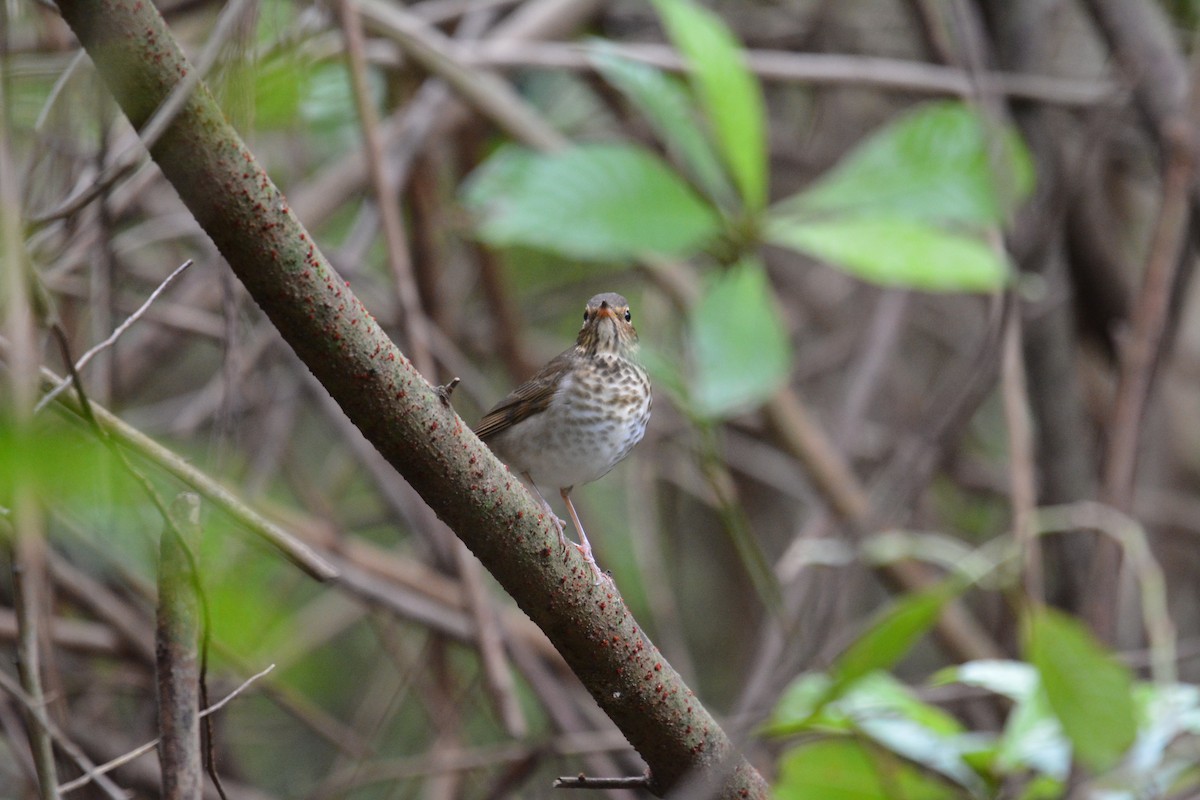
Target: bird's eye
{"x":628,"y":316}
{"x":585,"y":317}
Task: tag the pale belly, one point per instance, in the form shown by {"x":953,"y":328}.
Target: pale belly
{"x":582,"y":435}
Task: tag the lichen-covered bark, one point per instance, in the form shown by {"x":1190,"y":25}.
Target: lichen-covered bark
{"x":329,"y":328}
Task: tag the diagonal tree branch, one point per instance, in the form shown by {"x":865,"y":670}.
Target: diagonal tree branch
{"x":331,"y":330}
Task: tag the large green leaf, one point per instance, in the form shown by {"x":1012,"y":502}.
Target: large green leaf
{"x":931,"y":164}
{"x":882,"y":708}
{"x":729,"y":93}
{"x":892,"y":634}
{"x":895,"y":252}
{"x":1015,"y":680}
{"x":804,"y":706}
{"x":1090,"y":692}
{"x":845,"y":769}
{"x":741,"y":349}
{"x":886,"y":710}
{"x":592,"y":202}
{"x":1032,"y":739}
{"x":667,"y":106}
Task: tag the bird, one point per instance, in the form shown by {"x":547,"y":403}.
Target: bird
{"x":578,"y":416}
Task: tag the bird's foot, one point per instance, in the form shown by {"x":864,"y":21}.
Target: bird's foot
{"x":557,"y":522}
{"x":598,"y":575}
{"x":564,"y":543}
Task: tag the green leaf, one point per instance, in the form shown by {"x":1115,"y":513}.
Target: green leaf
{"x":499,"y":175}
{"x":1170,"y":715}
{"x":591,"y":202}
{"x":884,"y":709}
{"x":571,"y":105}
{"x":881,"y":695}
{"x":1015,"y":680}
{"x":845,"y":769}
{"x":327,"y":103}
{"x":1090,"y":692}
{"x":1043,"y":787}
{"x":938,"y":752}
{"x":279,"y":91}
{"x":803,"y":707}
{"x":729,"y":93}
{"x":1032,"y":739}
{"x":896,"y":252}
{"x":892,"y":634}
{"x":667,"y":107}
{"x":59,"y":463}
{"x":885,"y":642}
{"x":741,"y":349}
{"x":932,"y":164}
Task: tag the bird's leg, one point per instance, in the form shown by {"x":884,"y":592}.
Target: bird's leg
{"x":554,"y":518}
{"x":585,"y":547}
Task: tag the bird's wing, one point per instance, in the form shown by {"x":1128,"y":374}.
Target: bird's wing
{"x":531,"y":397}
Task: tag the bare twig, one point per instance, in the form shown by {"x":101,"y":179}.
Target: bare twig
{"x":479,"y":758}
{"x":802,"y":436}
{"x":28,"y":594}
{"x":158,"y":124}
{"x":1135,"y":544}
{"x":1142,"y":351}
{"x":108,"y":766}
{"x":40,"y":142}
{"x":112,"y":338}
{"x":1145,"y":44}
{"x":77,"y":635}
{"x":880,"y":341}
{"x":1020,"y":454}
{"x":445,"y":58}
{"x":65,"y":744}
{"x":785,"y":67}
{"x":129,"y":624}
{"x":433,"y":109}
{"x":296,"y":551}
{"x":399,"y":260}
{"x":497,"y":671}
{"x":584,"y":782}
{"x":972,"y":40}
{"x":20,"y":387}
{"x":445,"y":390}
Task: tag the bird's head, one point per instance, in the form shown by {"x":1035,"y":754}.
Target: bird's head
{"x":607,"y":326}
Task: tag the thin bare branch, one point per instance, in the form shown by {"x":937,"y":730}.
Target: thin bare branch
{"x":1020,"y":454}
{"x":1141,"y":353}
{"x":786,"y":67}
{"x":97,"y":772}
{"x":158,"y":123}
{"x":16,"y":400}
{"x":28,"y":594}
{"x":399,"y":259}
{"x":445,"y":58}
{"x":64,"y":742}
{"x":296,"y":551}
{"x":112,"y":338}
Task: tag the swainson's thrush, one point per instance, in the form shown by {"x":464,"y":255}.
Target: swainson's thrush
{"x":580,"y":414}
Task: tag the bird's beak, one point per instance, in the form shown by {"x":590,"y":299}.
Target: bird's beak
{"x":606,"y":311}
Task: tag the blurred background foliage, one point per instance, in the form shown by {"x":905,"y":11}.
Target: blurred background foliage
{"x":827,"y":274}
